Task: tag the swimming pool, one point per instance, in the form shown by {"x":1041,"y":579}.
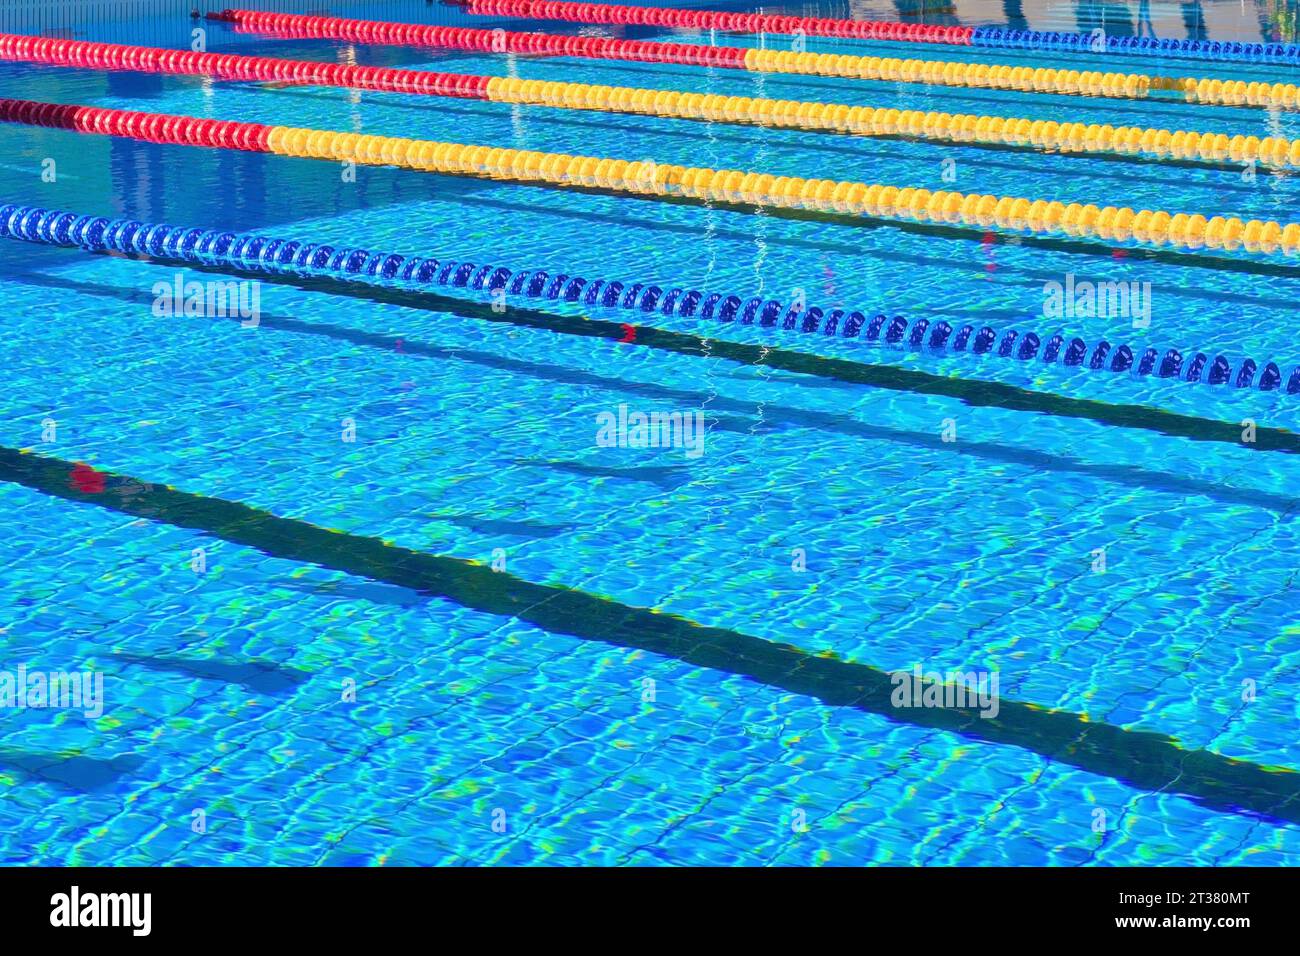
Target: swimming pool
{"x":367,"y":586}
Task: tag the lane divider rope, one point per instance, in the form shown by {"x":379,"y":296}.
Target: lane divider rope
{"x":889,"y":69}
{"x":998,"y":38}
{"x":990,"y":37}
{"x":482,"y":41}
{"x":230,"y":66}
{"x":985,"y":211}
{"x":272,"y":255}
{"x":793,"y":114}
{"x":618,"y":13}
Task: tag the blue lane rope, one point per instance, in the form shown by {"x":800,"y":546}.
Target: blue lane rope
{"x":254,"y":253}
{"x":999,"y":38}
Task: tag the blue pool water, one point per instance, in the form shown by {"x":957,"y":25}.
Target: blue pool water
{"x":529,"y":708}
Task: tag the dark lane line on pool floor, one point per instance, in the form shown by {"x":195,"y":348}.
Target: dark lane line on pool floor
{"x":1145,"y":760}
{"x":1128,"y":475}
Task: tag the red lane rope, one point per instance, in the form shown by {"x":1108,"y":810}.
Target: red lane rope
{"x":485,"y":41}
{"x":617,"y":13}
{"x":112,"y":56}
{"x":150,"y":127}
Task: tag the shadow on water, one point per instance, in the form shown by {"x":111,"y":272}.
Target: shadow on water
{"x":666,"y":477}
{"x":517,"y":529}
{"x":1146,"y":760}
{"x":754,"y":356}
{"x":265,"y":677}
{"x":70,"y":771}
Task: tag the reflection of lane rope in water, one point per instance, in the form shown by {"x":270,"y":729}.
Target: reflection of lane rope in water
{"x":255,"y":253}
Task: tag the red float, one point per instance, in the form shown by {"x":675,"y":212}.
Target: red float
{"x":463,"y":38}
{"x":231,"y":66}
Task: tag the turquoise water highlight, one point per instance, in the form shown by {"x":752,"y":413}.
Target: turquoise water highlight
{"x":223,"y":688}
